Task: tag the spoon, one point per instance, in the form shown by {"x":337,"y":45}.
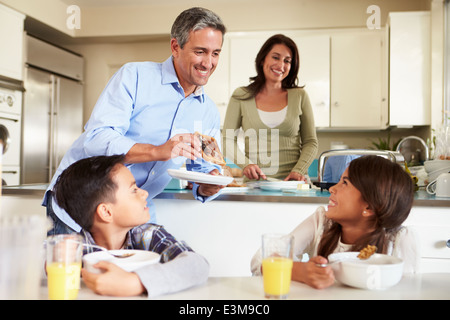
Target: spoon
{"x":323,"y":265}
{"x":124,"y":255}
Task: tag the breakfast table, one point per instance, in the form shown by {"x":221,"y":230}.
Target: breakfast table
{"x":426,"y":286}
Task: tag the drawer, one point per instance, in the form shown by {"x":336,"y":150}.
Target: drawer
{"x":434,"y":265}
{"x":433,"y":241}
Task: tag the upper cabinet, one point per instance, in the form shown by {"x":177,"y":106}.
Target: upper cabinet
{"x":409,"y":68}
{"x":11,"y":39}
{"x":314,"y":74}
{"x":356,"y":80}
{"x":341,"y":70}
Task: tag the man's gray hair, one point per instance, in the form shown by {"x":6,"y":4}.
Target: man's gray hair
{"x":194,"y":19}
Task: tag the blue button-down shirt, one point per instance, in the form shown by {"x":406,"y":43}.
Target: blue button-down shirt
{"x":143,"y":103}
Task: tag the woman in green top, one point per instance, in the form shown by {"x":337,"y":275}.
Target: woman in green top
{"x":275,"y":116}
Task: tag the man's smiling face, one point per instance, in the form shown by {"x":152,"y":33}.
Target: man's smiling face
{"x":197,"y":60}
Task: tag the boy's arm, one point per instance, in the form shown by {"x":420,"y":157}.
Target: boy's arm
{"x":188,"y":269}
{"x":112,"y":281}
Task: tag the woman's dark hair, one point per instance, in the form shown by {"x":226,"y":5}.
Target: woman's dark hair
{"x":85,"y":184}
{"x":258,"y":81}
{"x":389,"y":192}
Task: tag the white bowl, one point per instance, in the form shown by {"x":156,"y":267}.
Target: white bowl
{"x":140,"y":258}
{"x":433,"y":165}
{"x":378,"y":272}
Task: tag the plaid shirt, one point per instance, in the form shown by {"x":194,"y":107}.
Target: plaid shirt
{"x":150,"y":237}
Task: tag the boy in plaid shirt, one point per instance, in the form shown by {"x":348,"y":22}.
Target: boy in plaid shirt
{"x":101,"y":195}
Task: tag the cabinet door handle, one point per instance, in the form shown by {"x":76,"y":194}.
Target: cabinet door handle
{"x":336,"y":104}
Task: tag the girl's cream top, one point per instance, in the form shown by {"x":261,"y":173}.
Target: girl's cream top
{"x":403,"y":244}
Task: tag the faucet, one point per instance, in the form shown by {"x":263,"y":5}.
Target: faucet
{"x":418,"y":139}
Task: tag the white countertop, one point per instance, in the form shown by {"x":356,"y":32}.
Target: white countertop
{"x":434,"y":286}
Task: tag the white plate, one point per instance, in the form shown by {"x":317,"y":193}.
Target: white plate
{"x":279,"y":185}
{"x":139,"y":259}
{"x":234,"y":189}
{"x":199,"y":177}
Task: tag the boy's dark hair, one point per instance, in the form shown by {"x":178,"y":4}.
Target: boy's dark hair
{"x":85,"y":184}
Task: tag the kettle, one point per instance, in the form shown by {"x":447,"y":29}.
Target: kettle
{"x":440,"y":186}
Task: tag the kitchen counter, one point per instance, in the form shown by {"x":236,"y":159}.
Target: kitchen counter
{"x":424,"y":286}
{"x":237,"y":219}
{"x":422,"y":198}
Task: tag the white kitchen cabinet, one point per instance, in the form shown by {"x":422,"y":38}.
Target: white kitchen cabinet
{"x":314,"y":74}
{"x":11,"y":39}
{"x":432,"y":225}
{"x":217,"y":87}
{"x":343,"y":71}
{"x":243,"y":50}
{"x":410,"y":68}
{"x":356,"y":80}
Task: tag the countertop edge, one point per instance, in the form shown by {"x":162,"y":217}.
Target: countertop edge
{"x":238,"y":196}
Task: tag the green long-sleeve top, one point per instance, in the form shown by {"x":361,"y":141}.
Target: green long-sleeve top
{"x":290,"y":146}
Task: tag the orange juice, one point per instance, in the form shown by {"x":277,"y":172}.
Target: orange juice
{"x":63,"y":280}
{"x":277,"y":276}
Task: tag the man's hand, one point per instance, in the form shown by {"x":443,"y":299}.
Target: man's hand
{"x":186,"y":145}
{"x":208,"y":190}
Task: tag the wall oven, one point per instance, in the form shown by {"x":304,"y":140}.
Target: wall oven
{"x":11,"y":92}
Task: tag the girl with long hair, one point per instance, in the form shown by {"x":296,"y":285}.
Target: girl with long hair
{"x":366,"y":207}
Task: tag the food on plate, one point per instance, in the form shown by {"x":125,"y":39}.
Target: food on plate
{"x":227,"y":171}
{"x":367,"y":252}
{"x":210,"y":149}
{"x":236,"y":172}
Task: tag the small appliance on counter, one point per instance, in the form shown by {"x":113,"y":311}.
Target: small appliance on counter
{"x":332,"y":163}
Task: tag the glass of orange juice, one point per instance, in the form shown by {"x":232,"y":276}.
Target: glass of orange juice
{"x":63,"y":266}
{"x":277,"y":265}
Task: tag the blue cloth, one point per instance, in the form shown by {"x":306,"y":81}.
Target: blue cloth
{"x":335,"y":167}
{"x":143,"y":103}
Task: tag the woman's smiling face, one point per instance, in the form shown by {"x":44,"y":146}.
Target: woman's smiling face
{"x":277,"y":63}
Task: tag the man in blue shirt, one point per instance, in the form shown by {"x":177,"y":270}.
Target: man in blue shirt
{"x":149,"y":112}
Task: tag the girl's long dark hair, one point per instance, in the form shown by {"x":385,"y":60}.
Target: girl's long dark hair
{"x":257,"y":82}
{"x":388,"y":190}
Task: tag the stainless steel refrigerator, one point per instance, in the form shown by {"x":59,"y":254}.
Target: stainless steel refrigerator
{"x":52,"y":108}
